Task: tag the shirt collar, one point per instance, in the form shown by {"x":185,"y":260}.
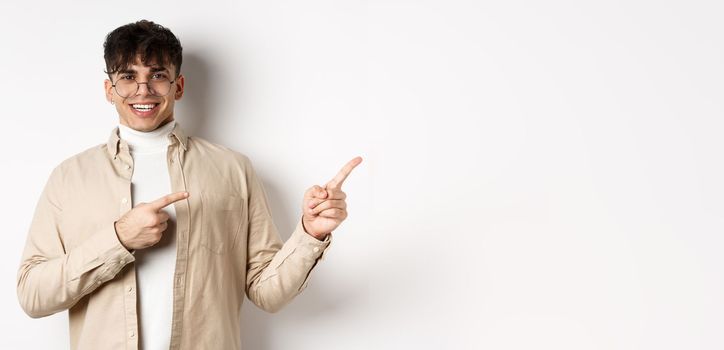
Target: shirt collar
{"x":115,"y":142}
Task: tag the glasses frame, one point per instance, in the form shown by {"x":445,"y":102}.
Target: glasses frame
{"x":138,"y":87}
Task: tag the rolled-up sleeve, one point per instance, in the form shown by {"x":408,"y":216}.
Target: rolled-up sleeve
{"x":276,"y":272}
{"x":52,"y":279}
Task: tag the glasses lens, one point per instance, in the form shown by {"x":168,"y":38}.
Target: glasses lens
{"x":159,"y":87}
{"x":126,"y":87}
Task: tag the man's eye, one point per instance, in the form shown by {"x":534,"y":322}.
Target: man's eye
{"x":158,"y":76}
{"x":126,"y":77}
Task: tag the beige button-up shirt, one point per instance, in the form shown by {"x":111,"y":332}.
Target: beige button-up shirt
{"x":227,"y":246}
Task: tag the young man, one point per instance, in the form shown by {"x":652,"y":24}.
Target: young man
{"x":152,"y":239}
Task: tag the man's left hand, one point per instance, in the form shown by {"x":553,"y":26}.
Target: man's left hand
{"x":325,"y":208}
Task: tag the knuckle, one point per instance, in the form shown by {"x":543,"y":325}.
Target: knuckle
{"x":312,"y":191}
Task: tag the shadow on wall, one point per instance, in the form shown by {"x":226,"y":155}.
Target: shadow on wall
{"x":197,"y":113}
{"x":194,"y":110}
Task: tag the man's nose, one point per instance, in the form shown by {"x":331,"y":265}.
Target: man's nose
{"x":143,"y":87}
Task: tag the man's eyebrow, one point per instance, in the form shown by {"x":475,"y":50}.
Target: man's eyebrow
{"x":133,"y":71}
{"x":159,"y":69}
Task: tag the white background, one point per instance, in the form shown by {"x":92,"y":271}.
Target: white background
{"x":536,"y":175}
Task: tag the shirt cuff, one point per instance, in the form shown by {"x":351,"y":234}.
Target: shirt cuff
{"x":308,"y":243}
{"x":109,"y":247}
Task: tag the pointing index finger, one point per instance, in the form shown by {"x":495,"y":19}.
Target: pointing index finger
{"x":168,"y":199}
{"x":342,"y":175}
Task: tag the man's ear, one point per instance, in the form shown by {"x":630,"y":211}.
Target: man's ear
{"x":179,"y":87}
{"x":108,"y":86}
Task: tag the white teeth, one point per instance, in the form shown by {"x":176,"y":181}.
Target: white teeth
{"x":141,"y":107}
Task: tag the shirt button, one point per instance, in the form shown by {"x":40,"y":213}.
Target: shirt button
{"x":133,"y":334}
{"x":122,"y":261}
{"x":124,"y":200}
{"x":98,"y":282}
{"x":316,"y":249}
{"x":128,"y":167}
{"x":130,"y":289}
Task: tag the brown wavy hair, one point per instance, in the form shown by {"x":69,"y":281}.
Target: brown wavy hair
{"x":155,"y":44}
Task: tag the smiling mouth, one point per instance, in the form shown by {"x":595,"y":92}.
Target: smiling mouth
{"x":144,"y":107}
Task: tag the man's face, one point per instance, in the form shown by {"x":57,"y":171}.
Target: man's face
{"x":131,"y":110}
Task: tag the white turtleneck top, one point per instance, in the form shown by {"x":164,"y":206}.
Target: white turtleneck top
{"x":155,"y":265}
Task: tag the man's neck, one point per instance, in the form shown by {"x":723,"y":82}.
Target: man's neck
{"x":146,"y":140}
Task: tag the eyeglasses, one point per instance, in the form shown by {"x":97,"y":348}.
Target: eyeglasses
{"x":159,"y":85}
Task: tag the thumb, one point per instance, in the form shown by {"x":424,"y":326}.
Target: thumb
{"x":315,"y":192}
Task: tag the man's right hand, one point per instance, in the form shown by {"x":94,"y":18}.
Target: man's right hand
{"x":143,"y":226}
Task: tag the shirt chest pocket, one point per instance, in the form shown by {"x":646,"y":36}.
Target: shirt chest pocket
{"x":221,"y":215}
